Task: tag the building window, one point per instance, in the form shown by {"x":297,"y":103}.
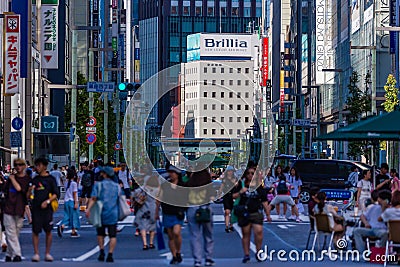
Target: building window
{"x":230,"y":107}
{"x":239,"y":119}
{"x":239,"y":107}
{"x":213,"y":107}
{"x":222,"y":94}
{"x":235,"y":12}
{"x":205,"y":119}
{"x":222,"y":82}
{"x":230,"y":70}
{"x":222,"y":70}
{"x":210,"y":11}
{"x":199,"y":11}
{"x":238,"y":131}
{"x":205,"y":107}
{"x":230,"y":131}
{"x":222,"y":107}
{"x":247,"y":82}
{"x":205,"y":82}
{"x":222,"y":119}
{"x":230,"y":94}
{"x":205,"y":94}
{"x":230,"y":82}
{"x":247,"y":12}
{"x":246,"y":119}
{"x":204,"y":131}
{"x":213,"y":119}
{"x":186,"y":10}
{"x":213,"y":131}
{"x":214,"y":70}
{"x":247,"y":70}
{"x":174,"y":11}
{"x":239,"y":70}
{"x":246,"y":107}
{"x":214,"y":82}
{"x":239,"y":95}
{"x":223,"y":11}
{"x":213,"y":94}
{"x":230,"y":119}
{"x":205,"y":69}
{"x":239,"y":82}
{"x":222,"y":131}
{"x":246,"y":95}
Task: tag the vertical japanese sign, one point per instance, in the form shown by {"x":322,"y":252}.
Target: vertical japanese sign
{"x":264,"y":62}
{"x":49,"y":36}
{"x":282,"y":92}
{"x":137,"y":63}
{"x":11,"y":56}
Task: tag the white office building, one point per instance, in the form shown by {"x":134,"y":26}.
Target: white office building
{"x":217,"y":98}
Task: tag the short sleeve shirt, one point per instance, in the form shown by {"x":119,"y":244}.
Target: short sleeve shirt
{"x":391,"y":214}
{"x":44,"y":186}
{"x":109,"y":194}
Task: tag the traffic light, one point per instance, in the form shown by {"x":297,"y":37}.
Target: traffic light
{"x":128,"y":87}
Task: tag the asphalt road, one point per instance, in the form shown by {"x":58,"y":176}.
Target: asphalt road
{"x":278,"y":235}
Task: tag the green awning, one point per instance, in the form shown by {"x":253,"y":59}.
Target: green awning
{"x":382,"y":127}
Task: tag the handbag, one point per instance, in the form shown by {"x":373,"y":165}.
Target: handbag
{"x":53,"y":203}
{"x":240,"y":210}
{"x":123,"y":208}
{"x":203,"y":215}
{"x":96,"y":210}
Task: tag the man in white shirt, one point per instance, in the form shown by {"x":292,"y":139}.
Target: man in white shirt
{"x":56,"y":173}
{"x":126,"y":179}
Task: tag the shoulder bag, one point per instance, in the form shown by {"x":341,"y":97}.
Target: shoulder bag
{"x":123,"y":208}
{"x":96,"y":210}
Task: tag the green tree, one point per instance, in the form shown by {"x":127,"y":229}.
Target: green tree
{"x":82,"y":116}
{"x":391,"y":94}
{"x":358,"y":104}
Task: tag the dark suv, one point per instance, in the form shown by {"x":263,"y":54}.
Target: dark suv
{"x":323,"y":173}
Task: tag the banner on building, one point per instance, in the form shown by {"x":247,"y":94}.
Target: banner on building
{"x":264,"y":62}
{"x":393,"y":11}
{"x":49,"y":36}
{"x":368,"y":10}
{"x":323,"y":42}
{"x":355,"y":16}
{"x":11,"y":54}
{"x":282,"y":92}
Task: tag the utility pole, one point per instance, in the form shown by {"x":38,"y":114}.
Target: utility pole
{"x":28,"y":91}
{"x":105,"y":95}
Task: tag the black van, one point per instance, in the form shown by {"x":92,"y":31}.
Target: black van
{"x":324,"y":173}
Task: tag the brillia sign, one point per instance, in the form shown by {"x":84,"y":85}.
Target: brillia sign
{"x":225,"y":43}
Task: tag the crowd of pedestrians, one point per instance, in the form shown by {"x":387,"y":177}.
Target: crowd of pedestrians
{"x":248,"y":196}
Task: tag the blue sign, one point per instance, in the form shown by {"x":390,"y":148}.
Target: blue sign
{"x":16,"y":139}
{"x":21,"y":7}
{"x":17,"y":123}
{"x":100,"y":87}
{"x":49,"y":124}
{"x":119,"y":136}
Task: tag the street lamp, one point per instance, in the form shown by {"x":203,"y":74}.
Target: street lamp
{"x":340,"y":114}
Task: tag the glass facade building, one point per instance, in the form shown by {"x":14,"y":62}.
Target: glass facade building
{"x":165,"y":25}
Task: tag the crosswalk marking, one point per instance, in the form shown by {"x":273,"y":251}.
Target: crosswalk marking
{"x":282,"y":226}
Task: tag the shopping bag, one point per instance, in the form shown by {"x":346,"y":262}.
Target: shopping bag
{"x":96,"y":210}
{"x":377,"y":255}
{"x":123,"y":209}
{"x":160,"y":236}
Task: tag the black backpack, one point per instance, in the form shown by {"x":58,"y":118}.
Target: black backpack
{"x":282,"y":188}
{"x":86,"y":180}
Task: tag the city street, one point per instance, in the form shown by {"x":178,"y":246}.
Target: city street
{"x":228,"y":251}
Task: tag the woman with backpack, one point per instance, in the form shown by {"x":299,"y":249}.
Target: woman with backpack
{"x":71,"y":206}
{"x":364,"y":188}
{"x":282,"y":189}
{"x":253,"y":200}
{"x":278,"y":174}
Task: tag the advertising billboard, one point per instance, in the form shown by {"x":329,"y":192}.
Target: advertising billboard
{"x":220,"y":46}
{"x":355,"y":16}
{"x":323,"y":42}
{"x":49,"y":36}
{"x":368,"y":10}
{"x":11,"y":56}
{"x":265,"y":62}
